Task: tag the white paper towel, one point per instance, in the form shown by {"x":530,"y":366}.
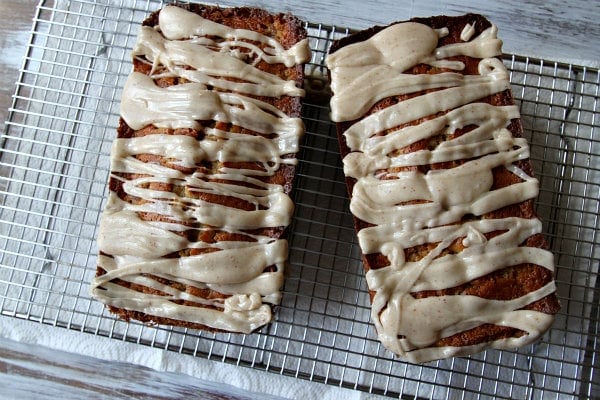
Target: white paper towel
{"x":247,"y":379}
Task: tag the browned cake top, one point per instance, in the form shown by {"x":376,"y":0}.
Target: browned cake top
{"x":441,"y":188}
{"x":202,"y":168}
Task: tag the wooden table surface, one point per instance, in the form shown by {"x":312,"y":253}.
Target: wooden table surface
{"x":560,"y":30}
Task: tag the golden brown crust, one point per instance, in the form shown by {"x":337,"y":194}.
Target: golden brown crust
{"x":507,"y":283}
{"x":288,"y":30}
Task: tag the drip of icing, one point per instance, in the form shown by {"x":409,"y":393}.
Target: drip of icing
{"x":467,"y":33}
{"x":205,"y":55}
{"x":488,"y":137}
{"x":235,"y":265}
{"x":483,"y":46}
{"x":494,"y":81}
{"x":206,"y":63}
{"x":366,"y":72}
{"x":412,"y":208}
{"x":176,"y":23}
{"x":181,"y":106}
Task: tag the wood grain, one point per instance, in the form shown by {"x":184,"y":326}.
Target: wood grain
{"x":14,"y":35}
{"x":36,"y":372}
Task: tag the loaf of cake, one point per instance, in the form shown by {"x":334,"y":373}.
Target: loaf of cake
{"x":441,"y":188}
{"x":193,"y":232}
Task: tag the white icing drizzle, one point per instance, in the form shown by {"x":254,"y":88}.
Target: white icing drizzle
{"x":467,"y":32}
{"x":371,"y":70}
{"x":207,"y":63}
{"x":181,"y":106}
{"x":406,"y":325}
{"x":131,"y":248}
{"x":176,"y":23}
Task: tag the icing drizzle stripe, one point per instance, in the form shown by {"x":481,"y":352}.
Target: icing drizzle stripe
{"x":218,"y":79}
{"x":406,"y":207}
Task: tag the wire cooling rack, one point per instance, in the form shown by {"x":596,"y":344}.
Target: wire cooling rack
{"x":54,"y":168}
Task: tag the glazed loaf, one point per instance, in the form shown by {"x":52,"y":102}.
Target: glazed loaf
{"x":202,"y":168}
{"x":441,"y":188}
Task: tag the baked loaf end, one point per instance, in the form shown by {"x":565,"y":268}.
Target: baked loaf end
{"x":441,"y":188}
{"x":202,"y":167}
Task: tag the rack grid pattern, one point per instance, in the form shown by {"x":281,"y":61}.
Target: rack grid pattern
{"x":54,"y":167}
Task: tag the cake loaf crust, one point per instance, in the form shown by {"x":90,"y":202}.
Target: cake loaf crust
{"x":426,"y":150}
{"x":193,"y":233}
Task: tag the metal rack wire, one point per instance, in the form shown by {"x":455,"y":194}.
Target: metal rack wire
{"x":53,"y":173}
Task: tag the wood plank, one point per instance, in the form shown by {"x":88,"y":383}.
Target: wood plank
{"x":14,"y":36}
{"x":31,"y":371}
